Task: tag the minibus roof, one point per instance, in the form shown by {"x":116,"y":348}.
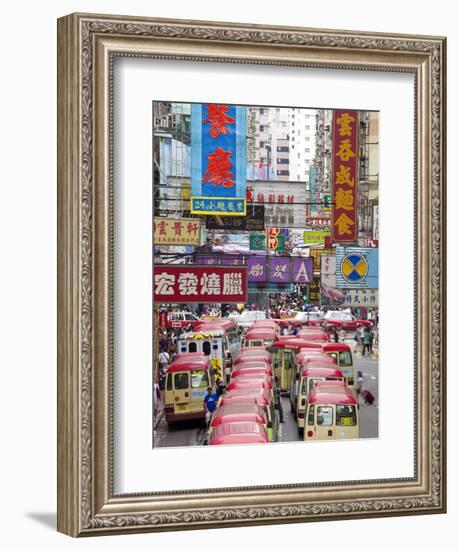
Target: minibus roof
{"x":255,"y":362}
{"x":313,"y":336}
{"x":263,"y":395}
{"x":321,"y":357}
{"x":238,"y":432}
{"x":243,"y":382}
{"x":320,"y":369}
{"x":187,"y":366}
{"x":336,"y":347}
{"x":331,"y":395}
{"x":251,"y":370}
{"x":252,"y":351}
{"x":261,"y":334}
{"x":238,"y":413}
{"x":293,"y":342}
{"x":250,"y":357}
{"x":217,"y":323}
{"x":247,"y":407}
{"x":189,"y":355}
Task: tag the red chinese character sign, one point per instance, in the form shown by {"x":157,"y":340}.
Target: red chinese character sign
{"x":218,"y":159}
{"x":199,"y":284}
{"x":345,"y":156}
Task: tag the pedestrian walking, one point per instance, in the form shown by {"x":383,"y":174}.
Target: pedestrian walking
{"x":367,"y":340}
{"x":335,"y":334}
{"x":163,"y":361}
{"x":342,"y":335}
{"x":164,"y":342}
{"x":359,"y":341}
{"x":210,"y":403}
{"x":156,"y":399}
{"x":219,"y":387}
{"x":359,"y":382}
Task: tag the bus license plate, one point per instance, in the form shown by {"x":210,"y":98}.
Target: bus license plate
{"x":182,"y":407}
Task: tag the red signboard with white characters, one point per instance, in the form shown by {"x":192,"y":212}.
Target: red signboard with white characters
{"x":201,"y":284}
{"x":345,"y":160}
{"x":163,"y":316}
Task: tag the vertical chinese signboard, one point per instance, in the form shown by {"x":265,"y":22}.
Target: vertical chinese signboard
{"x":218,"y":159}
{"x":345,"y":157}
{"x":199,"y":284}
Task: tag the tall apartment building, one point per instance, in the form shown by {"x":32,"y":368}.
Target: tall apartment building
{"x":281,"y":143}
{"x":302,"y":143}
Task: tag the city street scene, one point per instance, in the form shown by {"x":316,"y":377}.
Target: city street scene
{"x":265,"y":275}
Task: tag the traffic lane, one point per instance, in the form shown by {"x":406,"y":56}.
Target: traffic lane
{"x":288,"y":430}
{"x":368,"y":367}
{"x":181,"y":434}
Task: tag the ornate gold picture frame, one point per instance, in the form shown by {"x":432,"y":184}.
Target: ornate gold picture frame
{"x":87,"y":46}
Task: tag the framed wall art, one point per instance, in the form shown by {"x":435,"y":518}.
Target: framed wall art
{"x":251,"y":290}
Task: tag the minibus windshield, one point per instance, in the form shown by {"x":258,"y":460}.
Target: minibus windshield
{"x":199,"y":379}
{"x":345,"y":415}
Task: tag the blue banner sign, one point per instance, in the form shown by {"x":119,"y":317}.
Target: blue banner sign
{"x":218,"y":159}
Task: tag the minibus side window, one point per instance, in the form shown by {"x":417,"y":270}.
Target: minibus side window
{"x":169,"y":382}
{"x":206,"y":348}
{"x":181,"y":381}
{"x":345,"y":415}
{"x":311,"y":415}
{"x":192,"y":348}
{"x":324,"y":416}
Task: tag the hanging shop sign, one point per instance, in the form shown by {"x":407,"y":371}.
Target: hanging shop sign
{"x":257,"y":241}
{"x":316,"y":253}
{"x":302,"y":270}
{"x":345,"y":160}
{"x":261,"y":269}
{"x":253,"y":221}
{"x":356,"y":267}
{"x":284,"y":202}
{"x":220,"y":259}
{"x":330,"y":295}
{"x":277,"y":243}
{"x":279,"y":270}
{"x":218,"y":159}
{"x":313,"y":291}
{"x":269,"y":288}
{"x":172,"y":231}
{"x":318,"y":222}
{"x":315,"y":236}
{"x":199,"y":284}
{"x":360,"y":297}
{"x":257,"y":269}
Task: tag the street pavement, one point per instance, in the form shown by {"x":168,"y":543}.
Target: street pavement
{"x":193,"y":433}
